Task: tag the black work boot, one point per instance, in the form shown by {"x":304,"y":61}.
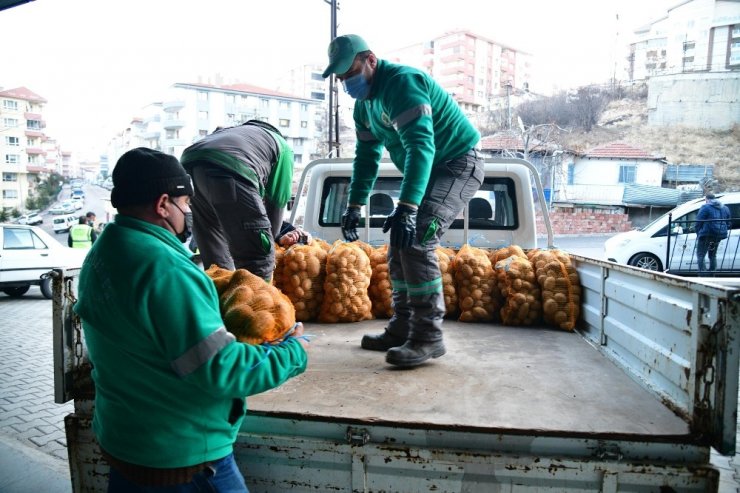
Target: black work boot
{"x":380,"y":342}
{"x":414,"y":353}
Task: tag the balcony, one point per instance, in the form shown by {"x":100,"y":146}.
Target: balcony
{"x":151,"y":135}
{"x":34,"y":151}
{"x":174,"y":143}
{"x":32,"y":116}
{"x":34,"y":133}
{"x":172,"y":106}
{"x":173,"y":124}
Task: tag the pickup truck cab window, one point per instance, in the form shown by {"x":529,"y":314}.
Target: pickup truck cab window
{"x":493,"y":207}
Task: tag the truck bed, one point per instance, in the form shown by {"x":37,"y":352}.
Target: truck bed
{"x":493,"y":378}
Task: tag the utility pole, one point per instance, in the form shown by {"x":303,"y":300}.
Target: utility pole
{"x":333,"y":140}
{"x":507,"y":85}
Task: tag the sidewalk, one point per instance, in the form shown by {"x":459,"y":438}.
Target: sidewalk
{"x":25,"y":469}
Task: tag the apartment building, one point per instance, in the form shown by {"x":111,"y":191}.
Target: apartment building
{"x":191,"y":111}
{"x":478,"y":72}
{"x":693,"y":36}
{"x":22,"y":154}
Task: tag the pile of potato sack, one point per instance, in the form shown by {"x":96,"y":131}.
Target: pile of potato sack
{"x":350,"y":282}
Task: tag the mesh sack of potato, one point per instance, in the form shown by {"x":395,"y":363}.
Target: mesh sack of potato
{"x":348,"y":276}
{"x":505,"y":252}
{"x":276,"y":275}
{"x":445,"y":258}
{"x":518,"y":285}
{"x":380,"y":289}
{"x":476,"y":285}
{"x":221,"y":277}
{"x":561,"y":288}
{"x":254,"y":310}
{"x":325,"y":245}
{"x":302,"y":273}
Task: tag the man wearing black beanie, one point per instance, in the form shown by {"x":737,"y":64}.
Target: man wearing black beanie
{"x":170,"y":381}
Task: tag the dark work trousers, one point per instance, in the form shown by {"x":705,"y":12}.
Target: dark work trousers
{"x":707,"y":245}
{"x":418,"y":300}
{"x":230,"y":222}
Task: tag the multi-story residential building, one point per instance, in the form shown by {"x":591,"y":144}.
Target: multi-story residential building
{"x":476,"y":71}
{"x":22,"y":157}
{"x":304,"y":81}
{"x":193,"y":110}
{"x":693,"y":36}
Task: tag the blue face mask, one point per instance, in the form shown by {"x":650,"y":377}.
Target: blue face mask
{"x":357,"y":86}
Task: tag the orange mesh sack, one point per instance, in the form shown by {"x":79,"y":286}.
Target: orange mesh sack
{"x":476,"y":285}
{"x":348,"y":276}
{"x":380,"y":289}
{"x":561,"y":288}
{"x":445,"y":257}
{"x":254,"y":310}
{"x":322,"y":243}
{"x":506,"y":252}
{"x":276,"y":275}
{"x":518,"y":285}
{"x":365,"y":247}
{"x":221,"y":277}
{"x":302,"y":279}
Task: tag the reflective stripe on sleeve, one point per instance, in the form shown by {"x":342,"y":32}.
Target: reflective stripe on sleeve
{"x":366,"y":136}
{"x":197,"y":355}
{"x":411,"y":114}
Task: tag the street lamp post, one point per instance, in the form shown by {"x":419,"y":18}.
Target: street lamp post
{"x":333,"y":92}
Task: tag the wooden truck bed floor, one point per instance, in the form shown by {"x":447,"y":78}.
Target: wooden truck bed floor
{"x":493,"y":377}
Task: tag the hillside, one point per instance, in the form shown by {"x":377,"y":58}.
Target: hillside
{"x":626,"y":120}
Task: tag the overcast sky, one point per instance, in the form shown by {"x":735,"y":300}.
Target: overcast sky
{"x":98,"y":62}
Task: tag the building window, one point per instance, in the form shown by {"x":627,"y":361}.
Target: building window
{"x":733,"y":53}
{"x":285,"y":105}
{"x":10,"y":176}
{"x":33,"y":124}
{"x":284,"y":122}
{"x":10,"y":122}
{"x":202,"y":133}
{"x":202,"y":96}
{"x":265,"y":102}
{"x":12,"y":141}
{"x":12,"y":159}
{"x":10,"y":105}
{"x":318,"y":95}
{"x":627,"y":173}
{"x":571,"y":173}
{"x":304,"y":107}
{"x":202,"y":115}
{"x":10,"y":194}
{"x":304,"y":124}
{"x":316,"y":76}
{"x":231,"y":98}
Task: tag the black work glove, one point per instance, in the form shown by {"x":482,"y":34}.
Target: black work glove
{"x":402,"y":223}
{"x":350,"y":221}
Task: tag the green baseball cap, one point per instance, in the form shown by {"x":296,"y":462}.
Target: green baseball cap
{"x":342,"y":52}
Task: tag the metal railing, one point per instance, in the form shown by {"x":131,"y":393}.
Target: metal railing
{"x":682,"y":244}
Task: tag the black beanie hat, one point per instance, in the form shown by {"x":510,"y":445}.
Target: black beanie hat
{"x":141,"y":175}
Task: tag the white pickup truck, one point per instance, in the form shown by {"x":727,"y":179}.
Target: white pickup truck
{"x":631,"y":401}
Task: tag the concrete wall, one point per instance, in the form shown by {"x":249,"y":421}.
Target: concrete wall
{"x":704,"y":100}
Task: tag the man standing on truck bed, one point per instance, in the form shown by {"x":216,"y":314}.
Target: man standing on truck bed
{"x":243,"y":179}
{"x":433,"y":144}
{"x":169,"y":379}
{"x":712,"y":223}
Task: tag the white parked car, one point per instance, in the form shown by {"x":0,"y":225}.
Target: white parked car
{"x":32,"y":219}
{"x":28,"y":254}
{"x":62,"y":223}
{"x":649,"y":247}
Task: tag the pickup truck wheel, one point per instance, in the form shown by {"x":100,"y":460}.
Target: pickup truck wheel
{"x":16,"y":292}
{"x":646,"y":261}
{"x":46,"y":288}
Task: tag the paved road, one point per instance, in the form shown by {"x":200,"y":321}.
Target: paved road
{"x":29,"y":417}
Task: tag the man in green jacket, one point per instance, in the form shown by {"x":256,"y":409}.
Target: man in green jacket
{"x":432,"y":143}
{"x":170,"y":381}
{"x":243,"y":178}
